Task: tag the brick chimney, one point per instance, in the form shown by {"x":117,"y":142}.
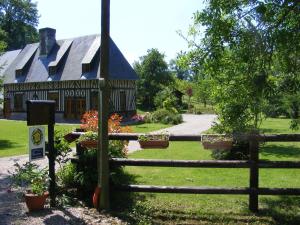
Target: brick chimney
{"x":47,"y":40}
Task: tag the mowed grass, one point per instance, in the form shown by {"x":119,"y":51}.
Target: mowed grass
{"x":214,"y":209}
{"x":148,"y":127}
{"x":14,"y":136}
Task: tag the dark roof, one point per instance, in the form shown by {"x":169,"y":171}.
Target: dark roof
{"x":66,"y":57}
{"x":6,"y":59}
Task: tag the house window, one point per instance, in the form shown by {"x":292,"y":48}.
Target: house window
{"x":54,"y":96}
{"x":18,"y":102}
{"x":52,"y":70}
{"x":86,"y":68}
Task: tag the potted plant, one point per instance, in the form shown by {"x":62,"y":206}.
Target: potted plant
{"x":217,"y":142}
{"x":33,"y":181}
{"x":154,"y":140}
{"x":89,"y":139}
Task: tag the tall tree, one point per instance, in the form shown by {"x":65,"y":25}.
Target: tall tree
{"x":19,"y":19}
{"x":242,"y":43}
{"x":2,"y":48}
{"x":153,"y":73}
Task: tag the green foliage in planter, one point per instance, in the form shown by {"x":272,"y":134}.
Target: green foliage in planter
{"x":154,"y":137}
{"x":83,"y":175}
{"x":30,"y":176}
{"x":89,"y":135}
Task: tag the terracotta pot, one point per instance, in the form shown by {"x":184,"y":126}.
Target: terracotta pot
{"x":35,"y":202}
{"x":89,"y":143}
{"x":96,"y":196}
{"x":154,"y":144}
{"x":222,"y":145}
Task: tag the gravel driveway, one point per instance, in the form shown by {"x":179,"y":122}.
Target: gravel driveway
{"x":192,"y":124}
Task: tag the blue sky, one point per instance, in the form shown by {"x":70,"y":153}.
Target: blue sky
{"x":136,"y":25}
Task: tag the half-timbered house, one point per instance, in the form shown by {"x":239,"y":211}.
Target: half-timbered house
{"x":66,"y":71}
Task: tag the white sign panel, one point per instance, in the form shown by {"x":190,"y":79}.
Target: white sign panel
{"x":36,"y":143}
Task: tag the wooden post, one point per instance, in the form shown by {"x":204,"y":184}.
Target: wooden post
{"x":103,"y":164}
{"x":254,"y":174}
{"x":52,"y":155}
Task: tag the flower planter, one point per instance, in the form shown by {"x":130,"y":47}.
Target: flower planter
{"x":96,"y":197}
{"x":154,"y":144}
{"x":222,"y":145}
{"x":89,"y":143}
{"x":35,"y":202}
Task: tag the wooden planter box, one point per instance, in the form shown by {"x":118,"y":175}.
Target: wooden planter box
{"x":154,"y":144}
{"x":89,"y":144}
{"x":222,"y":145}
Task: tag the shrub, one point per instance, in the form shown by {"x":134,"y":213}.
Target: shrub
{"x":86,"y":176}
{"x":139,"y":119}
{"x":239,"y":151}
{"x":89,"y":122}
{"x":67,"y":175}
{"x":166,"y":117}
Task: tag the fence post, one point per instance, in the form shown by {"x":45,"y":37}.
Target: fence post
{"x":254,"y":174}
{"x":104,"y":96}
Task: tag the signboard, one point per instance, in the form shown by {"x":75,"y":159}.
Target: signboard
{"x":40,"y":112}
{"x":36,"y":143}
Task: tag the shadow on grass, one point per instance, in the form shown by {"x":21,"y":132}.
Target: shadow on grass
{"x":281,"y":151}
{"x":135,"y":209}
{"x":285,"y":210}
{"x":269,"y":131}
{"x":4,"y":144}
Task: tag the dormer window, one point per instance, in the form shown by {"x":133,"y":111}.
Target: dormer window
{"x":89,"y":58}
{"x":61,"y":54}
{"x":86,"y":68}
{"x":19,"y":73}
{"x":27,"y":55}
{"x":52,"y":70}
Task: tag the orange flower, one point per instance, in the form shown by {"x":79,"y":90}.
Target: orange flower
{"x":90,"y":123}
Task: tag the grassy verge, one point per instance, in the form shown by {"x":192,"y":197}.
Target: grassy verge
{"x":214,"y":209}
{"x":148,"y":127}
{"x":14,"y":137}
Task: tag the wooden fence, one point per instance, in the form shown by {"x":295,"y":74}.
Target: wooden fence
{"x":254,"y":164}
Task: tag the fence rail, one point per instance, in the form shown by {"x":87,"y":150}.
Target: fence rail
{"x":253,"y":164}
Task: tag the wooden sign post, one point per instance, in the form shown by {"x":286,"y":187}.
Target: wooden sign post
{"x":102,"y":154}
{"x":43,"y":113}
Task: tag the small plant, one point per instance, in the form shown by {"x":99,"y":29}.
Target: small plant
{"x":154,"y":137}
{"x":89,"y":135}
{"x":154,"y":140}
{"x":217,"y":142}
{"x":29,"y":177}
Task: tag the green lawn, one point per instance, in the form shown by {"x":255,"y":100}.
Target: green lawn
{"x":14,"y":137}
{"x":148,"y":127}
{"x":215,"y":209}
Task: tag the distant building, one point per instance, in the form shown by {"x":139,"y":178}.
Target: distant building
{"x":66,"y":71}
